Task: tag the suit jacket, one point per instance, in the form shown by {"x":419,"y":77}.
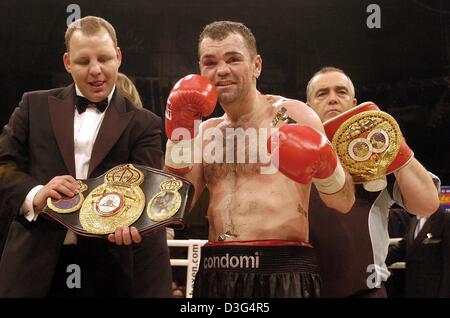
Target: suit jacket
{"x":399,"y":221}
{"x":38,"y":144}
{"x":427,"y":257}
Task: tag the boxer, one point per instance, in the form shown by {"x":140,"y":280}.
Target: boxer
{"x":258,"y":216}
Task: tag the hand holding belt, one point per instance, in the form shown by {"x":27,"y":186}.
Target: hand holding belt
{"x":369,"y":144}
{"x":141,"y":196}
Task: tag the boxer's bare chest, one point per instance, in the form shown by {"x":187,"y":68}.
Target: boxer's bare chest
{"x":236,"y":150}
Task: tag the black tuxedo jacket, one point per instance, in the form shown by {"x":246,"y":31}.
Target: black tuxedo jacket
{"x":427,"y":257}
{"x":38,"y":144}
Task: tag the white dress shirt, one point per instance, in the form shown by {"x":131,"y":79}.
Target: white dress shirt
{"x":85,"y":130}
{"x":420,"y":223}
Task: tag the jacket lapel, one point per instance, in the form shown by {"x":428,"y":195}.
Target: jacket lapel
{"x":115,"y":121}
{"x":61,"y":111}
{"x":412,"y":228}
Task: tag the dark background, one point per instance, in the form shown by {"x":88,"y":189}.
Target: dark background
{"x":402,"y":66}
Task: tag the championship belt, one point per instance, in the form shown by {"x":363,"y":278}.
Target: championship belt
{"x":136,"y":195}
{"x":369,"y":144}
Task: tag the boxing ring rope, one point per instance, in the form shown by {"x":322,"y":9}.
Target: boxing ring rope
{"x":192,"y":261}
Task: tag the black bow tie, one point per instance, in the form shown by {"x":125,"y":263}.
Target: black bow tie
{"x":83,"y":103}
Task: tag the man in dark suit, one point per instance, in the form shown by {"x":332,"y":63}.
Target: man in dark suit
{"x":426,"y":251}
{"x":55,"y":137}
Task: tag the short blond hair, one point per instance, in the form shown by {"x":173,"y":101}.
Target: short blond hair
{"x":323,"y":70}
{"x":89,"y":25}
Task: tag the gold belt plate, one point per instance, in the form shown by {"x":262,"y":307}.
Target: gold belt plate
{"x":166,"y":203}
{"x":367,"y":143}
{"x":117,"y":202}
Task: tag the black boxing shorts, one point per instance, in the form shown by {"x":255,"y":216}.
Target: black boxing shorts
{"x":261,"y":269}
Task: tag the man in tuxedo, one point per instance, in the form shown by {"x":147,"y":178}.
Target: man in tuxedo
{"x":426,"y":251}
{"x":77,"y":132}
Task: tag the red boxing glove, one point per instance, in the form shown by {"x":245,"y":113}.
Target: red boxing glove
{"x":191,"y":98}
{"x":303,"y":154}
